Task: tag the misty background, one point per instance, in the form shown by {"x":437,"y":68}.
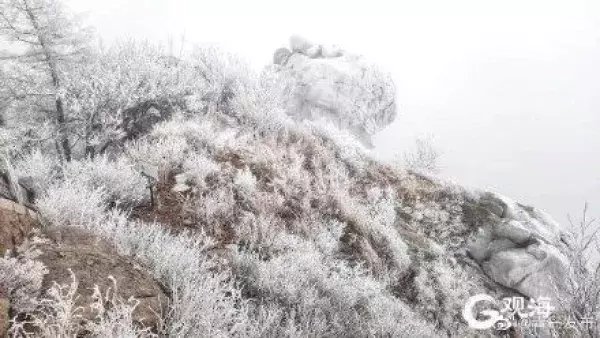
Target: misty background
{"x":508,"y":90}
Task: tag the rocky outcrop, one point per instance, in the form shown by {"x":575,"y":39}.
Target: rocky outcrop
{"x":518,"y":246}
{"x":16,"y":222}
{"x":328,"y":83}
{"x":94,"y":261}
{"x":17,"y":189}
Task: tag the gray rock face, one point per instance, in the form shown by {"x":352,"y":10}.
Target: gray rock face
{"x":519,"y":247}
{"x":342,"y":88}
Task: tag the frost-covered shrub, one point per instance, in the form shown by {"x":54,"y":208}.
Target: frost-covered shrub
{"x":42,"y":169}
{"x":126,"y":75}
{"x":203,"y":301}
{"x":327,"y":239}
{"x":261,"y":104}
{"x":322,"y":297}
{"x":114,"y":315}
{"x":245,"y":181}
{"x":434,"y":209}
{"x":259,"y":231}
{"x":580,"y":299}
{"x":198,"y":133}
{"x":376,"y":223}
{"x":57,"y":315}
{"x":224,"y":74}
{"x":157,"y":155}
{"x":217,"y":208}
{"x":119,"y":179}
{"x":424,"y":157}
{"x":350,"y":149}
{"x":71,"y":203}
{"x":21,"y":279}
{"x":442,"y":287}
{"x":198,"y":167}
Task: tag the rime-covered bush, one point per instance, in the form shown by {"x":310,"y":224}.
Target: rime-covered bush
{"x":198,"y":167}
{"x":376,"y":222}
{"x":119,"y":180}
{"x":21,"y":279}
{"x":349,"y":148}
{"x":261,"y":103}
{"x":58,"y":315}
{"x":70,"y":203}
{"x":199,"y":133}
{"x":245,"y":181}
{"x":203,"y":301}
{"x":125,"y":75}
{"x":225,"y":74}
{"x":218,"y":208}
{"x":41,"y":168}
{"x":424,"y":157}
{"x":323,"y":296}
{"x":442,"y":287}
{"x":160,"y":155}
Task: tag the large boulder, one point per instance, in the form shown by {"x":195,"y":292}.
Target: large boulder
{"x":94,"y":262}
{"x":519,"y":246}
{"x":329,"y":83}
{"x":16,"y":222}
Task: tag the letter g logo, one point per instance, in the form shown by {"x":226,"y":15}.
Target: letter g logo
{"x":493,"y":316}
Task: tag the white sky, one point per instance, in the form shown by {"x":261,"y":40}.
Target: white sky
{"x":509,"y":89}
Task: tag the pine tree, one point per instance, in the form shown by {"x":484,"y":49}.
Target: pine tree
{"x":43,"y":40}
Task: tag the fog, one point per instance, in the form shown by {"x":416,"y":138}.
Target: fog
{"x":508,"y":90}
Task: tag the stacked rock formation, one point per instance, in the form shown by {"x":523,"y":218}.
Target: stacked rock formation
{"x":331,"y":84}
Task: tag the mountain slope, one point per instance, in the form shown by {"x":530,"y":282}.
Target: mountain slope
{"x":260,"y":223}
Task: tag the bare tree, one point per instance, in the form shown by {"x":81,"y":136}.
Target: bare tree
{"x":44,"y":39}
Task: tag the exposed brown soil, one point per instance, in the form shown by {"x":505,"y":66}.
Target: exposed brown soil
{"x":94,"y":262}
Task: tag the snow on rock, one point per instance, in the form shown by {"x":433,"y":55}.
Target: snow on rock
{"x":520,"y":247}
{"x":343,"y":88}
